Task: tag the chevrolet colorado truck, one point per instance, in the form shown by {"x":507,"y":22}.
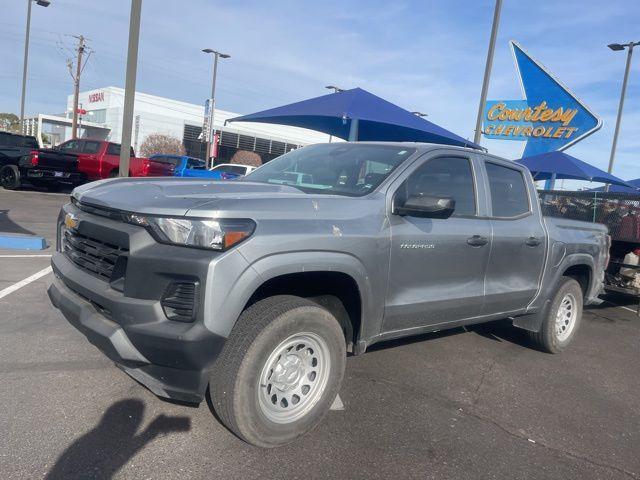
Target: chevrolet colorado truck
{"x":255,"y":290}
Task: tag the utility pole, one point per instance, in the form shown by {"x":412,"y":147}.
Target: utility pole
{"x":487,"y":71}
{"x":76,"y":86}
{"x":130,"y":86}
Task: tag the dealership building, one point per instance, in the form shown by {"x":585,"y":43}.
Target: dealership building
{"x":152,"y":114}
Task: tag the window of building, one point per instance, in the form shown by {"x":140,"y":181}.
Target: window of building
{"x":509,"y":196}
{"x":444,"y":177}
{"x":98,"y":116}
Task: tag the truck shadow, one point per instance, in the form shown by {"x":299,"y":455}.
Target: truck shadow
{"x":9,"y":226}
{"x":101,"y":452}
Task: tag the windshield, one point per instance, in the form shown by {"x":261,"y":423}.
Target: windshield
{"x":340,"y":169}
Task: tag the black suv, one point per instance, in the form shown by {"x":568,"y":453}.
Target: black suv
{"x":13,"y":147}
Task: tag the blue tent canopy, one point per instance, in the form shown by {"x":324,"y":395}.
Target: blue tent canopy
{"x":620,"y":189}
{"x":559,"y":165}
{"x":357,"y":115}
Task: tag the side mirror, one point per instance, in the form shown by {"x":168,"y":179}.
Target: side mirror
{"x":427,"y":206}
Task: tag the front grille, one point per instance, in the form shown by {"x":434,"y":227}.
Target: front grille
{"x":94,"y":256}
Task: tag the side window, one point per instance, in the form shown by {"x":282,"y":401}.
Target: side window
{"x":509,"y":196}
{"x":113,"y":149}
{"x":70,"y":146}
{"x":445,"y":177}
{"x":90,"y":147}
{"x":195,"y":163}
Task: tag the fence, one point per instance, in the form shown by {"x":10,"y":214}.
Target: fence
{"x":618,"y":211}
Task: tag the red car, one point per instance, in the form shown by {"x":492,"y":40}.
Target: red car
{"x":79,"y":161}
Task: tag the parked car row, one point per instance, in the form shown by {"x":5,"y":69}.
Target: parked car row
{"x":79,"y":161}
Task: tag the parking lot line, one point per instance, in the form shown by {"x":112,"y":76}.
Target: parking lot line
{"x":24,"y":256}
{"x":26,"y":281}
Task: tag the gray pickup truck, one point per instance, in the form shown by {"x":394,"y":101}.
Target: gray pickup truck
{"x":255,"y":290}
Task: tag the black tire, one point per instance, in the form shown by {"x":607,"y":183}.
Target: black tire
{"x":548,"y":338}
{"x":114,"y":173}
{"x":10,"y":177}
{"x":236,"y":380}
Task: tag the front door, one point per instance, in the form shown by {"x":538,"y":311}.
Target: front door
{"x":519,"y":241}
{"x":437,"y":266}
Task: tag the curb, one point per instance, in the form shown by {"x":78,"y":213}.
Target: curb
{"x":22,"y":242}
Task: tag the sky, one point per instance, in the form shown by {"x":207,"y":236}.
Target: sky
{"x":424,"y":55}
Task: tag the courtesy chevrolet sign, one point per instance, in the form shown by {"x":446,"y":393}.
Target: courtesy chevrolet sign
{"x":551,"y":117}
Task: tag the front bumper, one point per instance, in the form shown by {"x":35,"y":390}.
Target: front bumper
{"x":173,"y":359}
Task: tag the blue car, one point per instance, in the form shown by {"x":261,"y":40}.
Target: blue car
{"x":190,"y":167}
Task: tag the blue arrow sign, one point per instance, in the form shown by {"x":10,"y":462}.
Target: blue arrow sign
{"x":551,"y":118}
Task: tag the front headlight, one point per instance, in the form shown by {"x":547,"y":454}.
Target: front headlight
{"x":219,"y":234}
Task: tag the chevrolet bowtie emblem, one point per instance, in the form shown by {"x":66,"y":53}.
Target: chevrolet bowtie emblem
{"x":71,"y":221}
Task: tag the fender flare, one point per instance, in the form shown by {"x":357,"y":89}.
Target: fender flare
{"x":533,"y":321}
{"x":225,"y":312}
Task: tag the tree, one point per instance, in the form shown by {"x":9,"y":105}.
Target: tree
{"x":245,"y":157}
{"x":9,"y":122}
{"x":159,"y":143}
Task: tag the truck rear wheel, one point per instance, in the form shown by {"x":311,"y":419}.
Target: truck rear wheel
{"x":562,"y":318}
{"x":279,"y":371}
{"x":10,"y":177}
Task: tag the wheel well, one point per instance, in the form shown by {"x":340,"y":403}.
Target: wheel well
{"x":335,"y":291}
{"x":581,"y":274}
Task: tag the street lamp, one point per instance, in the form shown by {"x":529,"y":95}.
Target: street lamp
{"x":210,"y":134}
{"x":42,"y":3}
{"x":616,"y":47}
{"x":420,"y":114}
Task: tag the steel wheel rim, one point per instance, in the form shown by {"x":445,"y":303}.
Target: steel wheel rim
{"x":566,"y":317}
{"x":294,"y":377}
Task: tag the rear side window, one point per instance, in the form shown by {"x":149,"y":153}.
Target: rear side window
{"x":445,"y":177}
{"x":90,"y":147}
{"x":30,"y":142}
{"x":113,"y":149}
{"x":509,"y":196}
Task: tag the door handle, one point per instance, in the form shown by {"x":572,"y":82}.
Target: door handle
{"x":477,"y":241}
{"x":532,"y":241}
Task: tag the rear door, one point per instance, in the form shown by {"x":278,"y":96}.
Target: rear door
{"x":519,"y":239}
{"x":437,"y":266}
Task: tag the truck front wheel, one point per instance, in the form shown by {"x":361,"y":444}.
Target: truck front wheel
{"x":279,"y":371}
{"x":562,"y":318}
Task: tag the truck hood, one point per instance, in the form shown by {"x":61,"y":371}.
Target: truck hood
{"x":174,"y":196}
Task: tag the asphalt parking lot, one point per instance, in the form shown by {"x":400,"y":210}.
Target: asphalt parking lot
{"x":466,"y":404}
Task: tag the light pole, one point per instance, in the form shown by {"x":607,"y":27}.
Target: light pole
{"x":335,"y":90}
{"x":130,"y":86}
{"x":487,"y":71}
{"x":420,"y":114}
{"x":210,"y":135}
{"x":616,"y":47}
{"x":42,"y":3}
